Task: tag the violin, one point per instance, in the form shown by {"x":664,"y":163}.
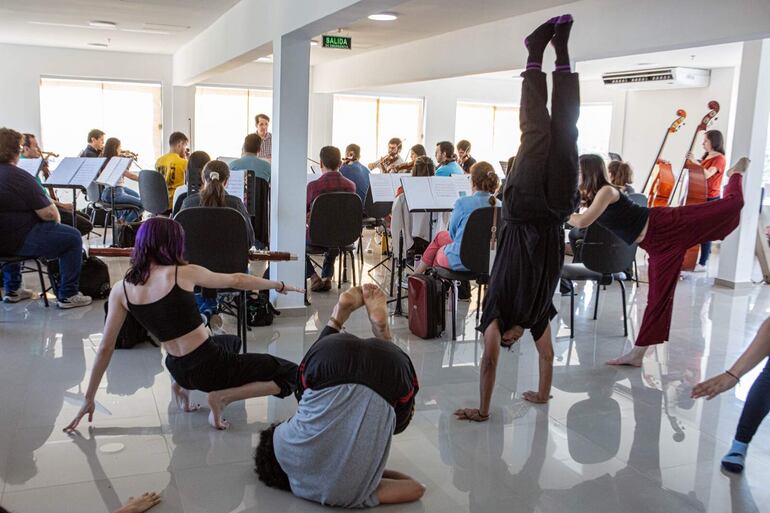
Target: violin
{"x":45,"y":155}
{"x":662,"y":184}
{"x":693,"y":185}
{"x":129,"y":154}
{"x":387,"y":161}
{"x":406,"y":166}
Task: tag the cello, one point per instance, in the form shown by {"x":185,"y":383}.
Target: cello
{"x":663,"y":183}
{"x":694,"y":189}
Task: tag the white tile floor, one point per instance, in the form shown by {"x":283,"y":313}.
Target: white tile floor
{"x":611,"y":440}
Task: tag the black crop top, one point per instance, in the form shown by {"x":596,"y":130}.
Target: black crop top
{"x":172,"y":316}
{"x":625,"y":219}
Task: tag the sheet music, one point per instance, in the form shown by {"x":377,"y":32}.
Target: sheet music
{"x":227,"y":160}
{"x":384,"y":187}
{"x":113,"y":171}
{"x":462,"y":185}
{"x":236,"y":184}
{"x":31,"y":166}
{"x":437,"y":193}
{"x":418,"y":193}
{"x":64,"y":172}
{"x":88,"y":171}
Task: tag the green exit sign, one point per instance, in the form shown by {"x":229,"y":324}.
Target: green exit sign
{"x":341,"y":42}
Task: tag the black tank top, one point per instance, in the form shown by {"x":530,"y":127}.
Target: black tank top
{"x":625,"y":219}
{"x":172,"y":316}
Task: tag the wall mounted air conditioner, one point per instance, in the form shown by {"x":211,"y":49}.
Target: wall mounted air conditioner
{"x":658,"y":78}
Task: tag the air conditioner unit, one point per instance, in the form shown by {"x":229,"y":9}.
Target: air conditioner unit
{"x":658,"y":78}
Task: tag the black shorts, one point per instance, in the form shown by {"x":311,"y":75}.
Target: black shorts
{"x":217,"y":364}
{"x":338,"y":358}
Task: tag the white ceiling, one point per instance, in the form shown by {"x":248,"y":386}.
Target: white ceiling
{"x":148,"y":26}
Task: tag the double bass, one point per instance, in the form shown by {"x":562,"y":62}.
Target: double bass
{"x":662,"y":185}
{"x":692,"y":181}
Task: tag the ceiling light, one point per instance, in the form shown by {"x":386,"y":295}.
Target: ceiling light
{"x":268,"y":58}
{"x":383,"y":16}
{"x":100,"y":45}
{"x":103,"y":24}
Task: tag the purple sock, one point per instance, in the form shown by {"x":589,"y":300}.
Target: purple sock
{"x":537,"y":41}
{"x":559,"y":41}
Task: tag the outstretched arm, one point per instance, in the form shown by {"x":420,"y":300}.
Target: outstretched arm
{"x":398,"y":488}
{"x":755,"y":353}
{"x":116,"y":314}
{"x":202,"y":277}
{"x":606,"y":196}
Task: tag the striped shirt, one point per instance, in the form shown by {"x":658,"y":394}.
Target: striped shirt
{"x":266,"y":150}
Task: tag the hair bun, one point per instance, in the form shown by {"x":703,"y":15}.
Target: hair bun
{"x":213,"y":175}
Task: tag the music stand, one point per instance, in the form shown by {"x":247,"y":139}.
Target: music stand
{"x":76,"y":174}
{"x":31,"y":166}
{"x":110,"y":176}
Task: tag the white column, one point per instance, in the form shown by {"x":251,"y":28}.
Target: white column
{"x":291,"y":85}
{"x":752,"y":111}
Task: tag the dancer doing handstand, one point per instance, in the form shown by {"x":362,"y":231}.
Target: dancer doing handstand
{"x":666,"y":233}
{"x":354,"y":395}
{"x":158,"y":292}
{"x":540,"y":194}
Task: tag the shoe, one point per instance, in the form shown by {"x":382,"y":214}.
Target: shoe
{"x":327,"y":284}
{"x":316,"y":283}
{"x":75,"y":301}
{"x":699,"y":268}
{"x":735,"y":459}
{"x":18,"y":295}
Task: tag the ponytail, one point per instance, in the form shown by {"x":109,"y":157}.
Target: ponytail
{"x":483,"y":176}
{"x":215,"y":175}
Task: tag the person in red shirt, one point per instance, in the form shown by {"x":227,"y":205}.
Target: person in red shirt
{"x":713,"y":163}
{"x":331,"y":180}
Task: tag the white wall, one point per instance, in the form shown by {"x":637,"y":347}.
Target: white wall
{"x":649,"y":113}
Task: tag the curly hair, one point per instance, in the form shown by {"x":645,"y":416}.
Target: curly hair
{"x":484,"y":177}
{"x":10,"y":145}
{"x":266,"y":464}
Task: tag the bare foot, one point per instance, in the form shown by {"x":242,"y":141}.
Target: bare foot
{"x":512,"y":336}
{"x":139,"y":504}
{"x":739,"y":167}
{"x":182,"y":398}
{"x":349,"y":301}
{"x":633,"y":358}
{"x":217,"y":404}
{"x":535,"y":397}
{"x":377,"y":307}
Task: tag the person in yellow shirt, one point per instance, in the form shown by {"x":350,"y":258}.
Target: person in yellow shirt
{"x":173,"y":164}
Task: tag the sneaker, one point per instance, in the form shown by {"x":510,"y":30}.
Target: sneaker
{"x":18,"y":295}
{"x":699,"y":268}
{"x":75,"y":301}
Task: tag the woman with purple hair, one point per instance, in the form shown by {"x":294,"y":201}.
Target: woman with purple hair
{"x":158,"y":291}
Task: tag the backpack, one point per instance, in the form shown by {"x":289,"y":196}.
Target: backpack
{"x":131,"y":333}
{"x":126,"y":234}
{"x":98,"y":213}
{"x":259,"y":310}
{"x":94,"y":277}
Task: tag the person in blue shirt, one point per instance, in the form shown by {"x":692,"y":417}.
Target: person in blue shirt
{"x":249,"y":160}
{"x":356,"y":172}
{"x":447,"y":160}
{"x":444,"y":250}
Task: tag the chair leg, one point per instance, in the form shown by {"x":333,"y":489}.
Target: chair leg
{"x":478,"y":300}
{"x":339,"y":272}
{"x":42,"y":282}
{"x":571,"y":310}
{"x":596,"y":303}
{"x":353,"y":268}
{"x":625,"y":313}
{"x":107,"y":219}
{"x":392,"y":275}
{"x":454,"y":310}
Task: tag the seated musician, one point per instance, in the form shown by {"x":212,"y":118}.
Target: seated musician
{"x":354,"y":395}
{"x":447,"y":160}
{"x":31,"y":150}
{"x":393,"y":158}
{"x":172,"y":165}
{"x":444,"y":250}
{"x":213,"y":194}
{"x":249,"y":158}
{"x":464,"y":155}
{"x":330,"y":181}
{"x":95,"y":144}
{"x":31,"y":227}
{"x":192,"y":177}
{"x":356,"y":172}
{"x":418,"y":150}
{"x":621,"y":176}
{"x":414,"y":228}
{"x":120,"y":193}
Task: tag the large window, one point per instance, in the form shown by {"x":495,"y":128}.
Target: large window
{"x":371,"y":121}
{"x":594,"y":128}
{"x":130,"y":111}
{"x":492,"y":130}
{"x":225,"y":115}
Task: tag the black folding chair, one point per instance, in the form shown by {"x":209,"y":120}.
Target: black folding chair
{"x":258,"y":205}
{"x":224,"y":249}
{"x":474,"y":254}
{"x":9,"y":259}
{"x":335,"y":223}
{"x":178,"y":203}
{"x":94,"y":198}
{"x":605,"y":258}
{"x":374,"y":217}
{"x":153,"y":191}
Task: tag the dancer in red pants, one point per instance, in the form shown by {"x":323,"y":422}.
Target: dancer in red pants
{"x":666,"y":233}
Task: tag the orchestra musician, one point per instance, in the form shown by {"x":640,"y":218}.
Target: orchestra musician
{"x":120,"y":193}
{"x":464,"y":155}
{"x":356,"y":172}
{"x":447,"y":160}
{"x":416,"y":151}
{"x":95,"y":144}
{"x":31,"y":150}
{"x":393,"y":158}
